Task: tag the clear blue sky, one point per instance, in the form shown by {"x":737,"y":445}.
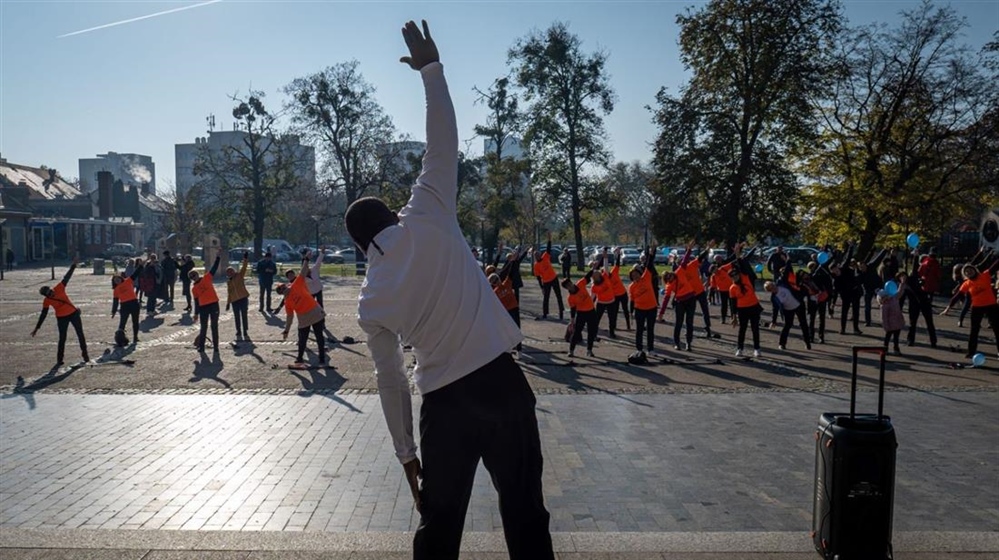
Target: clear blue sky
{"x":144,"y":86}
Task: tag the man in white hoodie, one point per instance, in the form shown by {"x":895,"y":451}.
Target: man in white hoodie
{"x":424,"y":288}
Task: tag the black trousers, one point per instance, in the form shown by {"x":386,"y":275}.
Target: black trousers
{"x":789,"y":317}
{"x":151,"y":302}
{"x":63,"y":323}
{"x":727,"y":305}
{"x":240,"y":312}
{"x":546,"y":290}
{"x":566,"y":271}
{"x":186,"y":290}
{"x":515,"y":315}
{"x":488,"y":415}
{"x":892,"y":335}
{"x":645,"y":322}
{"x":684,"y":316}
{"x":169,"y":289}
{"x":868,"y":297}
{"x":303,"y":340}
{"x":820,"y":309}
{"x":591,"y":322}
{"x":925,"y":309}
{"x":702,"y":300}
{"x":126,"y":311}
{"x":977,"y":314}
{"x":265,"y":295}
{"x":209,"y":313}
{"x":620,"y":303}
{"x":749,"y":317}
{"x":850,"y":304}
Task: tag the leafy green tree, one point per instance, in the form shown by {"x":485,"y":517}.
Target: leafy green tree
{"x":909,"y":135}
{"x":241,"y":181}
{"x":719,"y":156}
{"x":569,"y":94}
{"x":336,"y":109}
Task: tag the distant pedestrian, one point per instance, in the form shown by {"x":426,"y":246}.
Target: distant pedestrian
{"x":266,"y":269}
{"x":169,"y":275}
{"x":185,"y":269}
{"x":66,"y":314}
{"x":565,"y":259}
{"x":9,"y":259}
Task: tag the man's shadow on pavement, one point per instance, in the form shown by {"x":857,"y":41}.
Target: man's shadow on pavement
{"x":325,"y":381}
{"x":209,"y":368}
{"x":51,"y":377}
{"x":149,"y":323}
{"x":186,"y":320}
{"x":247,"y":348}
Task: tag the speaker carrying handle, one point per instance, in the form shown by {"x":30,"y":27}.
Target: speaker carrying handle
{"x":879,"y":350}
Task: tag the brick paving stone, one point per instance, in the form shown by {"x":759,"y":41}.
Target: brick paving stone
{"x":646,"y":463}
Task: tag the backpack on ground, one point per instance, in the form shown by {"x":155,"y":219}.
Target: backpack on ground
{"x":638,"y":358}
{"x":120,"y":340}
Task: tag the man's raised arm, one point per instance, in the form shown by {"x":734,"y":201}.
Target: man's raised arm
{"x":439,"y":177}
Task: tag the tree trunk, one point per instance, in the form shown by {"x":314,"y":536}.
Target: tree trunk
{"x":872,"y":228}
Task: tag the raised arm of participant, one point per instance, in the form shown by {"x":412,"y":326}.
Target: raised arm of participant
{"x":69,"y":273}
{"x":439,"y":177}
{"x":317,"y":266}
{"x":847,"y":256}
{"x":215,"y":265}
{"x":979,"y":257}
{"x":877,"y":258}
{"x":41,"y":319}
{"x":114,"y":306}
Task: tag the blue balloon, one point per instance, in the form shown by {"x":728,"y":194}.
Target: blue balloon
{"x":759,"y":268}
{"x":891,"y":288}
{"x":978,"y":359}
{"x":912,"y":240}
{"x":822,"y":257}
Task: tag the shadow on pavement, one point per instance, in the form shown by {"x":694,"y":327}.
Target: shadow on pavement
{"x":209,"y":368}
{"x":323,"y":381}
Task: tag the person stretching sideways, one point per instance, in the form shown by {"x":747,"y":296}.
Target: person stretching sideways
{"x":747,"y":305}
{"x":299,"y":301}
{"x":127,"y":303}
{"x":477,"y":403}
{"x":643,"y":298}
{"x":66,"y":314}
{"x":238,"y":297}
{"x":581,"y":312}
{"x":207,"y":304}
{"x":620,"y":295}
{"x":548,"y":279}
{"x":978,"y":286}
{"x":502,"y":285}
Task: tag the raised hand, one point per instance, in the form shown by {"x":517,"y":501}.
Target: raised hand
{"x":422,"y":49}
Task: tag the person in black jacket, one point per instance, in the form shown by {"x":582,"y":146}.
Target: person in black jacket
{"x":565,"y":259}
{"x":920,"y":302}
{"x":169,"y":267}
{"x":850,"y":290}
{"x":265,"y":269}
{"x":871,"y":279}
{"x":185,"y":269}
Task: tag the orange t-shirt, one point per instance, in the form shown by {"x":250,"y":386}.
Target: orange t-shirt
{"x":581,"y":300}
{"x":980,"y":289}
{"x":692,"y":273}
{"x":642,"y":294}
{"x":204,"y":291}
{"x":60,"y":301}
{"x":617,"y":286}
{"x":504,"y":291}
{"x":125,"y":291}
{"x":721,"y":278}
{"x":298,"y":299}
{"x":744,"y":296}
{"x":543,"y":268}
{"x":603,"y":291}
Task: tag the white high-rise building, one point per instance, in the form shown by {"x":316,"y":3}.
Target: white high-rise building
{"x":131,"y":169}
{"x":186,"y":156}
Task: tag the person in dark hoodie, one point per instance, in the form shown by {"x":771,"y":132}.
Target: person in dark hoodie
{"x":920,"y":302}
{"x":849,"y":288}
{"x":870,"y":277}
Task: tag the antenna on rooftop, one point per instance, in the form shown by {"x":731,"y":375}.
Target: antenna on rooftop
{"x":210,"y":119}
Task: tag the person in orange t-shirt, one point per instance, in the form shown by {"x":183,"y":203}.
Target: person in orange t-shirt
{"x":603,"y":294}
{"x":620,"y":294}
{"x":66,"y":314}
{"x":977,"y":285}
{"x":502,"y":284}
{"x":747,"y":305}
{"x":643,"y":300}
{"x":582,"y":312}
{"x":207,"y":303}
{"x":549,"y":281}
{"x":125,"y":301}
{"x":298,"y":300}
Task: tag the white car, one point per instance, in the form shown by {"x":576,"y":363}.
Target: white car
{"x":348,"y":255}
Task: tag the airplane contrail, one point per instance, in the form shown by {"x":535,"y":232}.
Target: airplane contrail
{"x":106,"y":25}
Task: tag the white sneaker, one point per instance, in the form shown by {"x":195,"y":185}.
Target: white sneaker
{"x":570,"y":354}
{"x":756,"y":353}
{"x":738,"y":353}
{"x":782,"y":347}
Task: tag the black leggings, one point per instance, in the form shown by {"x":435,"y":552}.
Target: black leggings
{"x":820,"y":309}
{"x":702,"y":299}
{"x":892,"y":336}
{"x":977,"y":314}
{"x":546,"y":290}
{"x":488,"y":416}
{"x":62,"y":324}
{"x":208,"y":313}
{"x":645,"y":322}
{"x":684,"y":316}
{"x":620,"y":303}
{"x":924,"y":308}
{"x":749,"y":317}
{"x":789,"y":317}
{"x":727,"y":305}
{"x":586,"y":319}
{"x":126,"y":311}
{"x":265,"y":295}
{"x":603,"y":308}
{"x":240,"y":312}
{"x":303,"y":339}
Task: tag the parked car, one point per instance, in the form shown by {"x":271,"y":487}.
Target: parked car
{"x":630,"y":255}
{"x":120,"y":250}
{"x":347,"y":255}
{"x":331,"y":257}
{"x":236,"y":255}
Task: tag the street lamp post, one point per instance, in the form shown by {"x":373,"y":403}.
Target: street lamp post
{"x":317,"y":218}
